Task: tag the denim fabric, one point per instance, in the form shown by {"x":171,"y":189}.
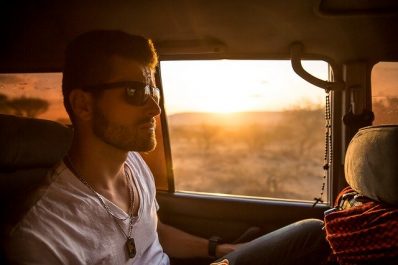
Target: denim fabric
{"x":302,"y":242}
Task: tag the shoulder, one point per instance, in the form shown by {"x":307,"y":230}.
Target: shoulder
{"x":58,"y":199}
{"x":35,"y":233}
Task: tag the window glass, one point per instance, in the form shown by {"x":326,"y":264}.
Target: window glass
{"x":251,"y":128}
{"x":385,"y":93}
{"x":33,"y":95}
{"x":39,"y":95}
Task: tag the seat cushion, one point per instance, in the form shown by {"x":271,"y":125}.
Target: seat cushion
{"x":27,"y":142}
{"x":29,"y":148}
{"x":371,"y":163}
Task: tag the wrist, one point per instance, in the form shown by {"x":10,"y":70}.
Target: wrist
{"x":214,"y":241}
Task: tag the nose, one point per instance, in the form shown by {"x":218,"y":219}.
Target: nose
{"x":152,"y":107}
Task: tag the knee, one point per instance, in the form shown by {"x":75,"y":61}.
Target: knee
{"x":311,"y":223}
{"x":312,"y":228}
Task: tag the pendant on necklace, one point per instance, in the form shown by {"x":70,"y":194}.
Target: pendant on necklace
{"x":131,"y":250}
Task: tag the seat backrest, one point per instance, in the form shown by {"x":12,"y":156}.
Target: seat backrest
{"x":28,"y":149}
{"x":371,"y":163}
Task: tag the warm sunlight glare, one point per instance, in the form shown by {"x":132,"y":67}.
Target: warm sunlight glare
{"x":226,"y":86}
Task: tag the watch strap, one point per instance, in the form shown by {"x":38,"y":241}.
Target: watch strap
{"x":213,"y":242}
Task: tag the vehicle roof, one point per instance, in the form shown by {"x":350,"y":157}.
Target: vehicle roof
{"x":34,"y":34}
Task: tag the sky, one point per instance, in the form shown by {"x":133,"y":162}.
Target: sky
{"x":234,"y":86}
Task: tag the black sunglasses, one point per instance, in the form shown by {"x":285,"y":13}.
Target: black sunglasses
{"x":137,"y":93}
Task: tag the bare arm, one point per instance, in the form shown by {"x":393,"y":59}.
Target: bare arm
{"x":179,"y":244}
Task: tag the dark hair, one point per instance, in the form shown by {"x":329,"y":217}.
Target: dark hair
{"x":87,"y":58}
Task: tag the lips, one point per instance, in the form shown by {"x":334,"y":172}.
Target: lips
{"x":149,"y":125}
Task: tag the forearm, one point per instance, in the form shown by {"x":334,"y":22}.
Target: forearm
{"x":179,"y":244}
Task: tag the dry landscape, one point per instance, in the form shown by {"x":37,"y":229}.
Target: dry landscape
{"x":267,"y":154}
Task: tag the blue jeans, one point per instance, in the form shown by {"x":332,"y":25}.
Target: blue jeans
{"x":302,"y":242}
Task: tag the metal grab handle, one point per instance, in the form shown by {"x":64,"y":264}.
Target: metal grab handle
{"x":296,"y":50}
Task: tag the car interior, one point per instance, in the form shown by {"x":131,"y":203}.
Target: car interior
{"x":357,"y":132}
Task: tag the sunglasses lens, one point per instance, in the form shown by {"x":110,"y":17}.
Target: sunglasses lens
{"x":134,"y":94}
{"x":139,"y":95}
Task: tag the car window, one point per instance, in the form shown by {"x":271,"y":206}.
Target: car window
{"x":39,"y":95}
{"x":35,"y":95}
{"x":253,"y":128}
{"x":385,"y":93}
{"x":249,"y":128}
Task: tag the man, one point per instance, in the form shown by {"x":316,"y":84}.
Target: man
{"x":100,"y":205}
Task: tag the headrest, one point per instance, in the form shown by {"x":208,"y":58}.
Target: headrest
{"x":371,"y":163}
{"x":28,"y":142}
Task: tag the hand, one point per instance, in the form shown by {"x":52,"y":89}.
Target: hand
{"x":223,"y":262}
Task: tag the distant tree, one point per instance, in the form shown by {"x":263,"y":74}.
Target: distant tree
{"x":207,"y":135}
{"x":4,"y":107}
{"x":28,"y":107}
{"x":386,"y":110}
{"x":305,"y":128}
{"x":255,"y":136}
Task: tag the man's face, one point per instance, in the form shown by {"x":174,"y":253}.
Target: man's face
{"x":118,"y":123}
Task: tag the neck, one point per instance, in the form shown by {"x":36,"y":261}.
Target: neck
{"x":100,"y":164}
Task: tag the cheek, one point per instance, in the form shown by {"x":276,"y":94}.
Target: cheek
{"x":117,"y":110}
{"x":121,"y":113}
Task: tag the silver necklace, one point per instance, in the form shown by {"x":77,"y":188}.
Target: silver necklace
{"x":130,"y":243}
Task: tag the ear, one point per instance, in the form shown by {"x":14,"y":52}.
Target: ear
{"x":81,"y":104}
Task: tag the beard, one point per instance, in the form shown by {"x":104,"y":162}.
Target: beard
{"x":126,"y":138}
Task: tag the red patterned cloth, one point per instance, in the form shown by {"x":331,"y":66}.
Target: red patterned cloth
{"x":363,"y":234}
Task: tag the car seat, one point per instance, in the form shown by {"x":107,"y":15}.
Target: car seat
{"x":363,"y":227}
{"x":28,"y":150}
{"x":371,"y":163}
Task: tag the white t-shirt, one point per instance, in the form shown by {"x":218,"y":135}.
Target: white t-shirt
{"x":69,"y":225}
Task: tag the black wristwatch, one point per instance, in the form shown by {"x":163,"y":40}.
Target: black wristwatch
{"x":213,"y":242}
